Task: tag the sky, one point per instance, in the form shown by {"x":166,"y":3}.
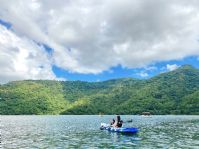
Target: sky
{"x":96,"y":40}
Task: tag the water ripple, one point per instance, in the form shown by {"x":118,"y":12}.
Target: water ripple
{"x":83,"y":132}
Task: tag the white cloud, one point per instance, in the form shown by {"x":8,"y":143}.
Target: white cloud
{"x":21,"y":59}
{"x":143,"y":74}
{"x":150,"y":68}
{"x":171,"y":67}
{"x":93,"y":36}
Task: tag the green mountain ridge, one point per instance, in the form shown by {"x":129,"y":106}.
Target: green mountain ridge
{"x":174,"y":92}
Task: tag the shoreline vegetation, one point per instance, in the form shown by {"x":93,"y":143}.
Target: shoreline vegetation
{"x":175,"y":92}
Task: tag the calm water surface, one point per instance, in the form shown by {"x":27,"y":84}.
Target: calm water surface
{"x":83,"y":132}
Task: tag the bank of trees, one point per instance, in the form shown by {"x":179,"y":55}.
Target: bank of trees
{"x":175,"y":92}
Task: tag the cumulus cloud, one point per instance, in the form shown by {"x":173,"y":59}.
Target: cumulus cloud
{"x":21,"y":59}
{"x":171,"y":67}
{"x":93,"y":36}
{"x":143,"y":74}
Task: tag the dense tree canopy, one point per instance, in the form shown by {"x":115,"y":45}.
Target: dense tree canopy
{"x":175,"y":92}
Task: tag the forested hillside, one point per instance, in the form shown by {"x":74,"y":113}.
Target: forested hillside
{"x":175,"y":92}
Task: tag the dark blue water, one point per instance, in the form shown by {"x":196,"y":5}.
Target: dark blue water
{"x":83,"y":132}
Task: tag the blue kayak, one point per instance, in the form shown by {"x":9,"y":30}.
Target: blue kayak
{"x":131,"y":130}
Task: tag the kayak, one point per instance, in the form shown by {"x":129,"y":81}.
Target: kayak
{"x":130,"y":130}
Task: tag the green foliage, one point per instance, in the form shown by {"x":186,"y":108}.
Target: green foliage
{"x":31,"y":97}
{"x":175,"y":92}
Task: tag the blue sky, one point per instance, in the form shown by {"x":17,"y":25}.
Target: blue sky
{"x":70,"y":40}
{"x":6,"y":24}
{"x":120,"y":72}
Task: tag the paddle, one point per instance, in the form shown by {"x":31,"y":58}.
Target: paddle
{"x":128,"y":121}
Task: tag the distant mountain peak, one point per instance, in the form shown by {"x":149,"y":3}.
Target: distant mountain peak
{"x":186,"y":66}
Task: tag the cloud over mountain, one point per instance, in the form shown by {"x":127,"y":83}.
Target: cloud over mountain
{"x":92,"y":36}
{"x":21,"y":58}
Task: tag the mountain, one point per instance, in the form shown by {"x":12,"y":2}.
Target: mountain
{"x":174,"y":92}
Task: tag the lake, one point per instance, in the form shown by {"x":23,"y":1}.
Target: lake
{"x":82,"y":131}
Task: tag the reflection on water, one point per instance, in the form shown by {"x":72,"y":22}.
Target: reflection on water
{"x":83,"y":132}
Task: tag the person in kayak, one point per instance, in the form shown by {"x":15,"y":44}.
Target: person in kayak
{"x":118,"y":122}
{"x":113,"y":121}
